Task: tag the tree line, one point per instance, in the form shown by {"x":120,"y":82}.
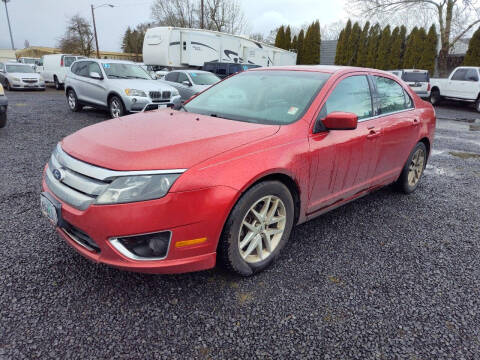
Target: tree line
{"x":306,"y":43}
{"x":386,"y":49}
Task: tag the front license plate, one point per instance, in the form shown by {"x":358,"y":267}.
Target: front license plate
{"x":162,"y":106}
{"x":48,"y":209}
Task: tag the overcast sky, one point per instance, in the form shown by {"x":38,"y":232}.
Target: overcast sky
{"x":42,"y":22}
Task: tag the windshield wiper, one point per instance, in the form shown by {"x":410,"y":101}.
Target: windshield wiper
{"x":135,"y":77}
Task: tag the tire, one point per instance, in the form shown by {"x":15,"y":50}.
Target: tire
{"x":413,"y":169}
{"x":435,"y":97}
{"x":244,"y":249}
{"x":116,"y":107}
{"x":477,"y":104}
{"x":3,"y":120}
{"x":58,"y":86}
{"x":7,"y":85}
{"x":72,"y":101}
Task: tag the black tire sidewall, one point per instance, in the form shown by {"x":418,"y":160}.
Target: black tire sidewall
{"x":231,"y":253}
{"x":435,"y":97}
{"x":402,"y":182}
{"x":3,"y":120}
{"x":7,"y":85}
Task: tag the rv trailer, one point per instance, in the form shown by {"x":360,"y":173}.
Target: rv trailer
{"x":191,"y":48}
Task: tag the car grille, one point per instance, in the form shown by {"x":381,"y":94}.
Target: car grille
{"x":29,"y":81}
{"x":160,"y":95}
{"x":77,"y":183}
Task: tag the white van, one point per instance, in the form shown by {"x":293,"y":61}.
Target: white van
{"x":55,"y":68}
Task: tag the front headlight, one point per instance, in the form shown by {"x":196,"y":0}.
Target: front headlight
{"x":2,"y":92}
{"x":135,"y":92}
{"x":15,"y":78}
{"x":175,"y":93}
{"x":137,"y":188}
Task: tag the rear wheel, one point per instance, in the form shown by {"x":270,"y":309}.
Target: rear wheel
{"x":257,"y":229}
{"x":58,"y":86}
{"x":73,"y":101}
{"x":435,"y":97}
{"x":116,"y":107}
{"x":413,"y":169}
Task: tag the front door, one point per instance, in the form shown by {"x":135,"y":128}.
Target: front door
{"x":343,"y":161}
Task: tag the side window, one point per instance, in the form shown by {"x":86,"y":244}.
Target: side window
{"x":391,"y":96}
{"x":459,"y":75}
{"x":93,"y":67}
{"x":74,"y":67}
{"x":182,"y":77}
{"x":471,"y":75}
{"x":408,"y":100}
{"x":350,"y":95}
{"x":81,"y":68}
{"x":173,"y":76}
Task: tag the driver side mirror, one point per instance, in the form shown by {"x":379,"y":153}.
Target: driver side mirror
{"x":186,"y":83}
{"x":338,"y":120}
{"x":96,"y":75}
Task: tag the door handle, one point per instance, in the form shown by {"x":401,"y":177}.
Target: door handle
{"x":372,"y":134}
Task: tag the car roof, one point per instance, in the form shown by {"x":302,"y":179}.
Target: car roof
{"x":329,"y":69}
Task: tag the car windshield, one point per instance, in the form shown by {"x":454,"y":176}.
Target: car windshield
{"x":263,"y":97}
{"x":19,"y":69}
{"x":125,"y":71}
{"x":204,"y":78}
{"x":415,"y":77}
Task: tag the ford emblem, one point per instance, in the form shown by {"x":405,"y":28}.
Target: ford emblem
{"x":58,"y":174}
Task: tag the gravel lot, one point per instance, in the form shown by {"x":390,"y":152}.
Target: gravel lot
{"x":388,"y":276}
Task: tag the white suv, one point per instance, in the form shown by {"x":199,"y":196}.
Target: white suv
{"x":122,"y":87}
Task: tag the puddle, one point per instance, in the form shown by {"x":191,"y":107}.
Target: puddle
{"x":464,"y":155}
{"x":434,"y":170}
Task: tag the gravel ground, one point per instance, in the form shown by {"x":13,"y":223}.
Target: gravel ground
{"x":387,"y":276}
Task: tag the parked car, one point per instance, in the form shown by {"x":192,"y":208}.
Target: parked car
{"x":190,"y":82}
{"x":33,"y":62}
{"x":462,"y":85}
{"x":20,"y":76}
{"x":224,"y":69}
{"x":122,"y":87}
{"x":229,"y":175}
{"x":418,"y":80}
{"x":55,"y":68}
{"x":3,"y":107}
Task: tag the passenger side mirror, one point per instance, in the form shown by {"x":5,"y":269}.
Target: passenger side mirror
{"x":95,"y":75}
{"x":340,"y":121}
{"x":186,"y":83}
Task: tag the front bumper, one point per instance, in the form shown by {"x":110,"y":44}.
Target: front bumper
{"x":187,"y":215}
{"x":23,"y":85}
{"x":138,"y":104}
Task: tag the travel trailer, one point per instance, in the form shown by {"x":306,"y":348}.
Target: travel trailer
{"x":192,"y":48}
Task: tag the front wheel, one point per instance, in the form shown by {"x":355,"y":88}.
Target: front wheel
{"x":116,"y":107}
{"x":72,"y":100}
{"x":7,"y":85}
{"x":477,"y":105}
{"x":413,"y":169}
{"x":257,"y":229}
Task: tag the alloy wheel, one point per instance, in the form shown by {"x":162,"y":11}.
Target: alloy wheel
{"x":115,"y":108}
{"x":262,"y":229}
{"x":71,"y":100}
{"x":416,"y":166}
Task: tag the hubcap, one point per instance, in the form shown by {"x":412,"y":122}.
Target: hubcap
{"x":71,"y":100}
{"x":115,"y":108}
{"x":416,"y":167}
{"x":262,"y":229}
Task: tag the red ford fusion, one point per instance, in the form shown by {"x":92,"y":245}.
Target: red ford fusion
{"x":230,"y":173}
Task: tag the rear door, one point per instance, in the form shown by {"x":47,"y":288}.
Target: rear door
{"x":344,"y":161}
{"x":455,"y":84}
{"x":399,"y":122}
{"x":469,"y":90}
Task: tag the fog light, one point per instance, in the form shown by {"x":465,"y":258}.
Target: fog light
{"x":144,"y":247}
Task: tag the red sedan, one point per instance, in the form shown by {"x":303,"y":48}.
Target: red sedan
{"x":227,"y":176}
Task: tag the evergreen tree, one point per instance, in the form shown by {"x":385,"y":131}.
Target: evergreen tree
{"x":420,"y":43}
{"x":127,"y":40}
{"x":340,"y":48}
{"x":280,"y":38}
{"x":293,"y":45}
{"x":308,"y":44}
{"x":403,"y":37}
{"x":288,"y":39}
{"x":361,"y":59}
{"x":395,"y":50}
{"x":348,"y":31}
{"x":427,"y":60}
{"x":352,"y":44}
{"x":472,"y":58}
{"x":372,"y":45}
{"x":316,"y":42}
{"x":383,"y":52}
{"x":409,"y":59}
{"x":300,"y":42}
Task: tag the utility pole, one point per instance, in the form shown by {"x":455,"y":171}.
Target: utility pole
{"x":95,"y":32}
{"x":8,"y":21}
{"x":202,"y":25}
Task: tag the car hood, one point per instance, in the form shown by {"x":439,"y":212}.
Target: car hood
{"x":144,"y":85}
{"x":25,"y":75}
{"x":160,"y":140}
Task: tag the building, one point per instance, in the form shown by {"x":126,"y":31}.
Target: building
{"x":328,"y":49}
{"x":7,"y":54}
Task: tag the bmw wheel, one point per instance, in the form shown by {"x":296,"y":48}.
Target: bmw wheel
{"x":257,"y":229}
{"x":116,"y":107}
{"x":73,"y":101}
